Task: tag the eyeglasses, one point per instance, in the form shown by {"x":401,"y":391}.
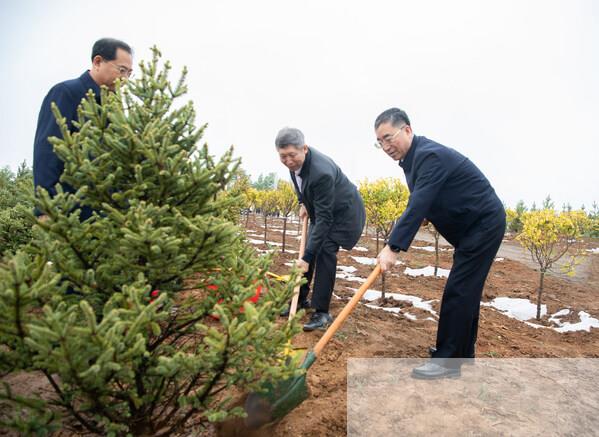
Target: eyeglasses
{"x":123,"y":71}
{"x":388,"y":138}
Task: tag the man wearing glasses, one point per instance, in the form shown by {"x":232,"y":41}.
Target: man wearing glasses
{"x":337,"y":217}
{"x":451,"y":192}
{"x":111,"y":59}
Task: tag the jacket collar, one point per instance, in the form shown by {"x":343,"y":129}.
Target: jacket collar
{"x":306,"y":167}
{"x":408,"y":160}
{"x":89,"y":83}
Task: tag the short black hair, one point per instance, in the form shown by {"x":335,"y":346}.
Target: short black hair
{"x":395,"y":116}
{"x":106,"y":47}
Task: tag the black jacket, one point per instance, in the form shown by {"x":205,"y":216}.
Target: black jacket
{"x":47,"y":167}
{"x":333,"y":203}
{"x":447,"y":189}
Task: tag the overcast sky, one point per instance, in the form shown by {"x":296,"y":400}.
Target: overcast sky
{"x":513,"y":85}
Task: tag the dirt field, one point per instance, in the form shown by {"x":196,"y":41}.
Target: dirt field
{"x":372,"y":332}
{"x":377,"y":333}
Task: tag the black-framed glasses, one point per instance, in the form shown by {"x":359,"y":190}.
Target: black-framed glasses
{"x":388,"y":138}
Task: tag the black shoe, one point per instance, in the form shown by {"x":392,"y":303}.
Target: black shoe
{"x":303,"y":305}
{"x":468,"y":360}
{"x":318,"y":320}
{"x":432,"y":370}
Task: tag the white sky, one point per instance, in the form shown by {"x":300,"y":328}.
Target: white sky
{"x":513,"y":85}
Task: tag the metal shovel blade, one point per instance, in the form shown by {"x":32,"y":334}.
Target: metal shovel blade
{"x":278,"y":399}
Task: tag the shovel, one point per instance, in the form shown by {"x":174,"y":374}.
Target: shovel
{"x":280,"y":399}
{"x":296,"y":290}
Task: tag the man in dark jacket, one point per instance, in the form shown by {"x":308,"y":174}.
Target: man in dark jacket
{"x":111,"y":59}
{"x":336,"y":213}
{"x":451,"y":192}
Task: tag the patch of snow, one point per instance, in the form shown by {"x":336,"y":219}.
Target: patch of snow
{"x":360,"y":249}
{"x":516,"y":308}
{"x":346,"y":273}
{"x":388,"y":309}
{"x":369,"y":261}
{"x":586,"y":323}
{"x":557,"y":315}
{"x":594,"y":250}
{"x":417,"y":302}
{"x":430,"y":248}
{"x":427,"y":271}
{"x":524,"y":310}
{"x":534,"y":325}
{"x":253,"y":241}
{"x":365,"y":260}
{"x":499,"y":259}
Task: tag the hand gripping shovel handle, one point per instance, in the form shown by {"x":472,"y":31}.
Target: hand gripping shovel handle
{"x":296,"y":290}
{"x":346,"y":311}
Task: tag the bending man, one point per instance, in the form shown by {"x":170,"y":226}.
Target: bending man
{"x":336,"y":214}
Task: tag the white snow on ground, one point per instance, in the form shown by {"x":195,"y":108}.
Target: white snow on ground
{"x":427,"y":271}
{"x":594,"y":250}
{"x":430,"y":248}
{"x":417,"y":302}
{"x":251,"y":240}
{"x":499,"y":259}
{"x":516,"y":308}
{"x":346,"y":273}
{"x":524,"y":310}
{"x":360,"y":249}
{"x":269,"y":243}
{"x":586,"y":322}
{"x":370,"y":261}
{"x":288,"y":233}
{"x":364,"y":260}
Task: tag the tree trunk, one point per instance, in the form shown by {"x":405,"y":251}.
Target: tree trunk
{"x":284,"y":232}
{"x":264,"y":228}
{"x":383,"y":286}
{"x":539,"y":293}
{"x":247,"y":218}
{"x":436,"y":252}
{"x":377,"y":242}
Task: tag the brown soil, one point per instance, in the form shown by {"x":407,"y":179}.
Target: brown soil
{"x":376,"y":333}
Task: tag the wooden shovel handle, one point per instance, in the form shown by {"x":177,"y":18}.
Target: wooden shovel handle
{"x":302,"y":248}
{"x":346,"y":311}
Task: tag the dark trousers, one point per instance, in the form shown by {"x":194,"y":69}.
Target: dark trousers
{"x":460,"y":307}
{"x":324,"y":269}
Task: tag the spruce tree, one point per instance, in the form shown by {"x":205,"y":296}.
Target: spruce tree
{"x":138,"y":316}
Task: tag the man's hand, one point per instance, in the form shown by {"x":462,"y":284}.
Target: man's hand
{"x":42,"y":218}
{"x":302,"y":265}
{"x":387,"y":258}
{"x":303,"y":213}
